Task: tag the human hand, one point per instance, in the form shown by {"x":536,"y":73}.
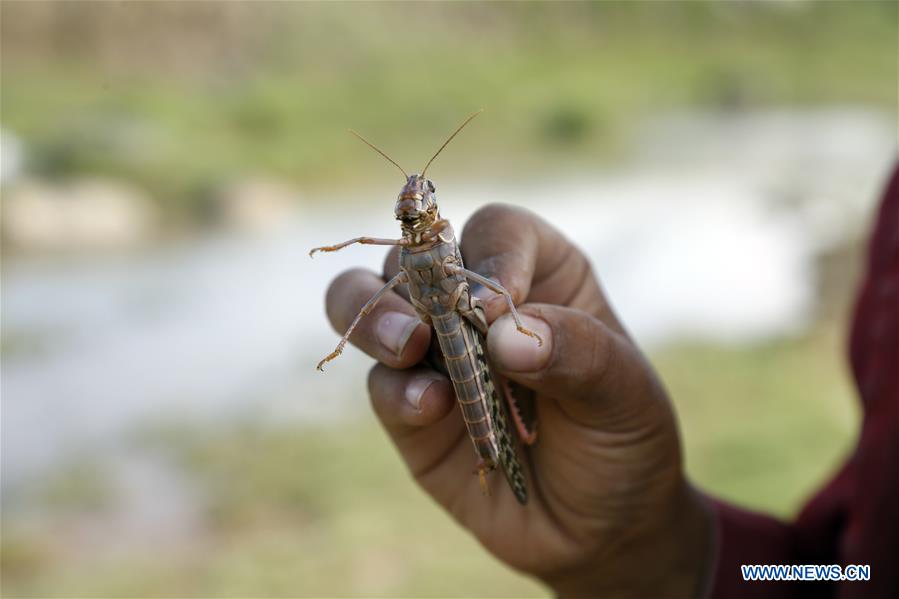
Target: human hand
{"x":611,"y":511}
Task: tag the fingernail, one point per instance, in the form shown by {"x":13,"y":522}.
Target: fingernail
{"x":394,"y":329}
{"x":516,"y":351}
{"x":416,"y":389}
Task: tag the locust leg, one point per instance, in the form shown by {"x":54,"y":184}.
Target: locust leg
{"x":528,"y":437}
{"x":497,"y":288}
{"x":368,"y":307}
{"x":482,"y":471}
{"x":363,"y":240}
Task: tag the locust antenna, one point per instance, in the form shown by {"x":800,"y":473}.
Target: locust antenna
{"x":378,"y":150}
{"x":468,"y":120}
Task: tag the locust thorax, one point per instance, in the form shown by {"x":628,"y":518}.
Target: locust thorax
{"x":416,"y":206}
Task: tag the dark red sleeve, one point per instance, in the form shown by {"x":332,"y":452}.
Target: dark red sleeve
{"x":855,"y":518}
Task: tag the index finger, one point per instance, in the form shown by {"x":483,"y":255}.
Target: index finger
{"x":391,"y":267}
{"x":534,"y":261}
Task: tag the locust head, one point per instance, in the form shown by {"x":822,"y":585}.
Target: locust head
{"x":416,"y":206}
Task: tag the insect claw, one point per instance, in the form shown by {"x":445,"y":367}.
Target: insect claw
{"x":531,"y":333}
{"x":482,"y":478}
{"x":327,"y":359}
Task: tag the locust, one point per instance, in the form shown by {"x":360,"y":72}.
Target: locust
{"x":439,"y":288}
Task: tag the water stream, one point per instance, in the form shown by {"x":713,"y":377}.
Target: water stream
{"x":711,"y":232}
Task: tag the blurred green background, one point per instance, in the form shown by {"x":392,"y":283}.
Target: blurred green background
{"x":180,"y":97}
{"x":132,"y":131}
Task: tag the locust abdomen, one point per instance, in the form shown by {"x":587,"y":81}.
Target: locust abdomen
{"x":480,"y":401}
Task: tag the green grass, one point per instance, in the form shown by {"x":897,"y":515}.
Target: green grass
{"x":183,"y":98}
{"x":300,"y":511}
{"x":764,"y":426}
{"x":290,"y":512}
{"x":181,"y":108}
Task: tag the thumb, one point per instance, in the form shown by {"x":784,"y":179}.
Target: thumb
{"x":596,"y":374}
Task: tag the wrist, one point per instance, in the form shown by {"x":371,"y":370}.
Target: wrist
{"x":671,"y":559}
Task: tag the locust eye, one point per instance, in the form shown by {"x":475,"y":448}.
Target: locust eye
{"x":431,"y":187}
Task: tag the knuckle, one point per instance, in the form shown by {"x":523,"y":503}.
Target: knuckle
{"x":499,"y":240}
{"x":584,"y":354}
{"x":509,"y":269}
{"x":602,"y":355}
{"x":346,"y":295}
{"x":391,"y":262}
{"x":343,"y":283}
{"x":486,"y":217}
{"x":376,"y":381}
